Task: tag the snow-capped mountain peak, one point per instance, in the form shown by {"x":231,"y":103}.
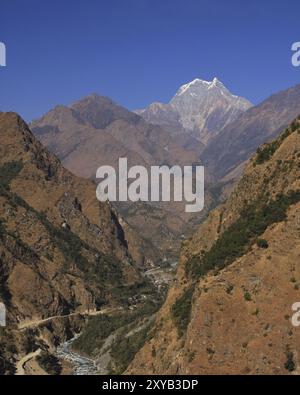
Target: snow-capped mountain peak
{"x":198,"y":86}
{"x":199,"y":106}
{"x":207,"y":106}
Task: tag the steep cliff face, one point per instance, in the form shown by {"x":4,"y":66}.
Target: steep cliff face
{"x":229,"y":310}
{"x":61,"y":251}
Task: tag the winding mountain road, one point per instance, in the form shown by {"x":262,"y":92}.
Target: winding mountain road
{"x":34,"y":323}
{"x":21,"y":364}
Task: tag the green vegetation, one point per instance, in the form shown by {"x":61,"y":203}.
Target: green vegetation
{"x":2,"y":227}
{"x":4,"y":292}
{"x":262,"y":243}
{"x":67,"y":242}
{"x":247,"y":297}
{"x":229,"y":289}
{"x":7,"y":351}
{"x":267,"y":151}
{"x":104,"y":271}
{"x":71,"y":246}
{"x":130,"y":330}
{"x":125,"y":347}
{"x":49,"y":363}
{"x":23,"y":250}
{"x":97,"y":268}
{"x":238,"y":238}
{"x":191,"y":356}
{"x":98,"y":328}
{"x":8,"y":172}
{"x":181,"y":311}
{"x":122,"y":292}
{"x":290,"y":363}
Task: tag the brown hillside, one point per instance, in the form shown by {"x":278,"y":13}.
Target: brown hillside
{"x":229,"y":311}
{"x":61,"y":251}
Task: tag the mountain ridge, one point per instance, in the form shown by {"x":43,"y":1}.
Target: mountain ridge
{"x":61,"y":251}
{"x":200,"y":108}
{"x":238,"y":140}
{"x":242,"y":260}
{"x":95,"y":131}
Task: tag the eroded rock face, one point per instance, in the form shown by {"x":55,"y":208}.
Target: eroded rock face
{"x":61,"y":251}
{"x":237,"y":309}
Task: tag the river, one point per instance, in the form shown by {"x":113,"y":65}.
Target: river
{"x":82,"y":366}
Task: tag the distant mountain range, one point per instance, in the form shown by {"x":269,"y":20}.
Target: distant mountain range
{"x":65,"y":256}
{"x":95,"y":131}
{"x":200,"y":108}
{"x":203,"y":123}
{"x":236,"y":142}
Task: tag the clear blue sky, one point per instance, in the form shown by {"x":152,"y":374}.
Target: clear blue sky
{"x":140,"y":51}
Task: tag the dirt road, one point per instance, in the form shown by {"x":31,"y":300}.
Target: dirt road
{"x":34,"y":323}
{"x":21,"y":364}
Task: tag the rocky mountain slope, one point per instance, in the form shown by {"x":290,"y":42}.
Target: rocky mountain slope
{"x":96,"y":131}
{"x":237,"y":141}
{"x":229,"y":310}
{"x":200,"y":109}
{"x":61,"y":251}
